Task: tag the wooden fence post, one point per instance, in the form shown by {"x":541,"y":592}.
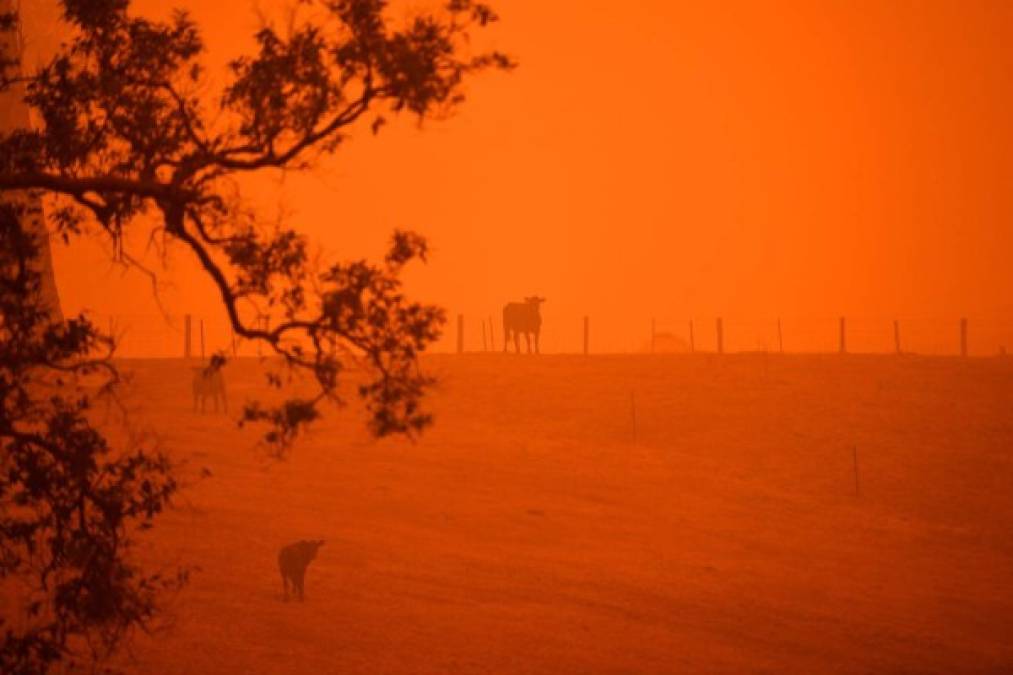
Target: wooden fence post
{"x":844,"y":339}
{"x":963,"y":337}
{"x":186,"y":336}
{"x":633,"y":409}
{"x":721,"y":336}
{"x":780,"y":337}
{"x":896,"y":335}
{"x":485,"y":343}
{"x":587,"y":334}
{"x":854,"y":454}
{"x":492,"y":335}
{"x":460,"y":333}
{"x":692,"y":341}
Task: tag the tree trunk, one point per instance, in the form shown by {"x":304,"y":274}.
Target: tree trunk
{"x":14,"y":115}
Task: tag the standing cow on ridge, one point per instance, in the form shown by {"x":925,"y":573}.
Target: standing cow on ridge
{"x":522,"y":317}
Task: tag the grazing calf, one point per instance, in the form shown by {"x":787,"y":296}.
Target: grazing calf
{"x":293,"y":560}
{"x":522,"y":317}
{"x":209,"y":382}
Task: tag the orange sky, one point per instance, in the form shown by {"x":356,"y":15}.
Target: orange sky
{"x":679,"y":159}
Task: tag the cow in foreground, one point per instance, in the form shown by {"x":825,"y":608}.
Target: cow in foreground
{"x":522,"y":317}
{"x":209,"y":382}
{"x":293,"y":561}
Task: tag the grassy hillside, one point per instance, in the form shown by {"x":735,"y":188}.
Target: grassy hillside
{"x":531,"y":532}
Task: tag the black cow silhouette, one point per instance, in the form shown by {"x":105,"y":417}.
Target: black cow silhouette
{"x":292,"y":562}
{"x":522,"y":317}
{"x":209,"y":382}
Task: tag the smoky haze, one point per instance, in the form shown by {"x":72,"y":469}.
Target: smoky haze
{"x":677,"y":161}
{"x":655,"y":183}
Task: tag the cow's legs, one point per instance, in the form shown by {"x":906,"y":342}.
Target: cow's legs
{"x":536,"y":343}
{"x":506,"y":340}
{"x":517,"y":342}
{"x":527,"y":339}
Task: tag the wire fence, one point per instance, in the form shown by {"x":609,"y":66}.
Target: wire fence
{"x":165,"y":336}
{"x":938,"y":336}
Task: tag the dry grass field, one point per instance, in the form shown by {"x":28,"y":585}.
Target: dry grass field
{"x":532,"y":532}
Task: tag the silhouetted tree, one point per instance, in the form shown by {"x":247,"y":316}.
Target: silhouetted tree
{"x":125,"y":133}
{"x":69,"y":503}
{"x":129,"y":136}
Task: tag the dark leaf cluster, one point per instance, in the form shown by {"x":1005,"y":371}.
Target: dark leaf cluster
{"x":69,"y":501}
{"x":131,"y":128}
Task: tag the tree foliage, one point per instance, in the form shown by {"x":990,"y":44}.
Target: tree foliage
{"x":126,"y":133}
{"x":69,"y":502}
{"x":130,"y":138}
